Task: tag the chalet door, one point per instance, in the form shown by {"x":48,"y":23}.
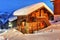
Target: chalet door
{"x":40,"y":25}
{"x":24,"y":25}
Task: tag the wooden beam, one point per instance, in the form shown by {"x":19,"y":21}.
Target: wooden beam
{"x":18,"y":23}
{"x":46,"y":15}
{"x":42,"y":12}
{"x":37,"y":13}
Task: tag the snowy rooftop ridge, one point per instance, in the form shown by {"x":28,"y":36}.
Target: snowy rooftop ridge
{"x":31,"y":8}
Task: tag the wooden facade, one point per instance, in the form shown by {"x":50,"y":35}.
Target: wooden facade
{"x":34,"y":21}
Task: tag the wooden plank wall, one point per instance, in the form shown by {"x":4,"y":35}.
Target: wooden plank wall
{"x":33,"y":25}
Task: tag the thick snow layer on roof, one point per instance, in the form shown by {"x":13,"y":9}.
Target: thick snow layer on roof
{"x":31,"y":8}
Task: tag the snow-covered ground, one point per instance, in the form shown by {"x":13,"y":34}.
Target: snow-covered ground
{"x":2,"y":31}
{"x":52,"y":32}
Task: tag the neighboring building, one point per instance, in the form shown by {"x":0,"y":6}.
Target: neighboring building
{"x":57,"y":7}
{"x":12,"y":22}
{"x":33,"y":17}
{"x":56,"y":4}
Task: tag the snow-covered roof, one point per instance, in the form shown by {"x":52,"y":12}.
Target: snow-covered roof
{"x":52,"y":0}
{"x":31,"y":8}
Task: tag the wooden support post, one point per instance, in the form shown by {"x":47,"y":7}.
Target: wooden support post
{"x":27,"y":25}
{"x":37,"y":13}
{"x":42,"y":12}
{"x":37,"y":26}
{"x":18,"y":23}
{"x":46,"y":15}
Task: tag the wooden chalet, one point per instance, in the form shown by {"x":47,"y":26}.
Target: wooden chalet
{"x":33,"y":18}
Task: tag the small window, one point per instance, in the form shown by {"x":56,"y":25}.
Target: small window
{"x":52,"y":18}
{"x":33,"y":19}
